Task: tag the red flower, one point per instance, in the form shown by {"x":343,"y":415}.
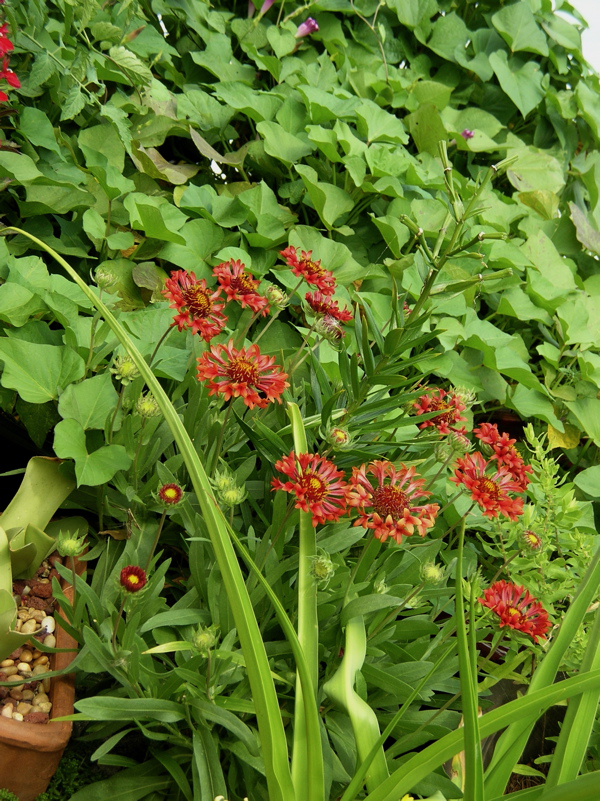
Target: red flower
{"x":239,"y":284}
{"x":9,"y":75}
{"x":450,"y":407}
{"x":316,"y":483}
{"x":321,"y":304}
{"x":504,"y":452}
{"x":310,"y":270}
{"x":390,"y":508}
{"x":489,"y":491}
{"x":133,"y":578}
{"x":515,"y":610}
{"x":531,"y":540}
{"x":199,"y":307}
{"x":170,"y":494}
{"x":5,"y":44}
{"x":242,"y":373}
{"x":3,"y":97}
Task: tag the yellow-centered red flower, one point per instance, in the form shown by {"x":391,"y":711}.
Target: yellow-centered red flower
{"x":317,"y":484}
{"x":198,"y":307}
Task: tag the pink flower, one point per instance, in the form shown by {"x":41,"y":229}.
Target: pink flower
{"x":306,"y":28}
{"x":467,"y":134}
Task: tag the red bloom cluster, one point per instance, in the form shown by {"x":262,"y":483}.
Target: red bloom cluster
{"x":504,"y":452}
{"x":388,"y":504}
{"x":6,"y":73}
{"x":313,"y":273}
{"x":316,"y":483}
{"x":516,"y":609}
{"x":322,"y":304}
{"x":238,"y":284}
{"x":199,"y":307}
{"x":244,"y":373}
{"x":449,"y":405}
{"x":489,"y":490}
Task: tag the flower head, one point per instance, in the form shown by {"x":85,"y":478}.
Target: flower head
{"x":198,"y":307}
{"x":467,"y":134}
{"x":5,"y":44}
{"x":205,"y":638}
{"x":339,"y":438}
{"x":104,"y":278}
{"x":322,"y":568}
{"x":313,"y":273}
{"x":238,"y":284}
{"x":316,"y":483}
{"x":146,"y":406}
{"x":516,"y":609}
{"x":133,"y":578}
{"x":432,"y":573}
{"x":389,"y":504}
{"x":276,"y":296}
{"x":69,"y":544}
{"x":124,"y":369}
{"x":531,"y":540}
{"x":504,"y":452}
{"x":449,"y":406}
{"x":330,"y":329}
{"x":306,"y":28}
{"x":322,"y":304}
{"x":242,"y":373}
{"x":170,"y":494}
{"x":489,"y":490}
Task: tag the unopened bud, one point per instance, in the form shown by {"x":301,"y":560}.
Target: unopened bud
{"x":205,"y":639}
{"x":322,"y":568}
{"x":146,"y":406}
{"x":276,"y":296}
{"x":124,"y":369}
{"x":432,"y":573}
{"x":104,"y":278}
{"x":531,"y":540}
{"x":339,"y":438}
{"x":329,"y":328}
{"x":69,"y":544}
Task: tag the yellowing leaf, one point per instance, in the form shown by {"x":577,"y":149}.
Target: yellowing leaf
{"x":570,"y":439}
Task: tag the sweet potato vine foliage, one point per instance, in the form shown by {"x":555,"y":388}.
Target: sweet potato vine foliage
{"x":357,"y":245}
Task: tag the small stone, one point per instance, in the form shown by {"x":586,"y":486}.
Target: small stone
{"x":14,"y":680}
{"x":17,"y":653}
{"x":27,"y":695}
{"x":55,"y":559}
{"x":46,"y":684}
{"x":41,"y":698}
{"x":24,"y":667}
{"x":35,"y":603}
{"x":24,"y":614}
{"x":3,"y":693}
{"x":45,"y":706}
{"x":50,"y":641}
{"x":39,"y":669}
{"x":17,"y":716}
{"x":36,"y":717}
{"x":17,"y":694}
{"x":24,"y":707}
{"x":36,"y":653}
{"x":49,"y":624}
{"x":30,"y":626}
{"x":7,"y":711}
{"x":42,"y":590}
{"x":9,"y":671}
{"x":38,"y":614}
{"x":41,"y":660}
{"x":7,"y":663}
{"x":26,"y":655}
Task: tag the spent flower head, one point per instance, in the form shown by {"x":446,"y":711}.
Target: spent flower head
{"x":124,"y":369}
{"x":69,"y":544}
{"x":147,"y":407}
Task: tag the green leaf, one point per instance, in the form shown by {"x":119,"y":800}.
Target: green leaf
{"x":106,"y":707}
{"x":43,"y":68}
{"x":74,"y":102}
{"x":587,"y":412}
{"x":586,"y":234}
{"x":589,"y":481}
{"x":38,"y":372}
{"x":130,"y":64}
{"x":153,"y":164}
{"x":90,"y":468}
{"x":535,"y":169}
{"x":19,"y":167}
{"x":18,"y":304}
{"x":123,"y":787}
{"x":587,"y":101}
{"x":281,"y":144}
{"x":426,"y":128}
{"x":36,"y":126}
{"x":378,"y":125}
{"x":330,"y":202}
{"x":517,"y":26}
{"x":89,"y":402}
{"x":521,"y":82}
{"x":157,"y":217}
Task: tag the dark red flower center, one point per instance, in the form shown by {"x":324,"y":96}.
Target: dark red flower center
{"x":389,"y":501}
{"x":243,"y":370}
{"x":198,"y":300}
{"x":448,"y":415}
{"x":312,"y":267}
{"x":489,"y":487}
{"x":243,"y":283}
{"x":314,"y":487}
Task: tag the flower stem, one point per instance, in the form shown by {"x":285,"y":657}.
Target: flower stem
{"x":277,"y":313}
{"x":137,"y":452}
{"x":156,"y":538}
{"x":215,"y":460}
{"x":159,"y":343}
{"x":117,"y":621}
{"x":114,"y":417}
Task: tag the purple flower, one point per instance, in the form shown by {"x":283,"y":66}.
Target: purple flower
{"x":467,"y":134}
{"x":251,"y":9}
{"x":266,"y":6}
{"x":306,"y":28}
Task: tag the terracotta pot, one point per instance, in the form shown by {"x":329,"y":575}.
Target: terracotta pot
{"x":30,"y":752}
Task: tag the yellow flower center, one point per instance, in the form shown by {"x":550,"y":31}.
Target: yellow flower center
{"x":243,"y":370}
{"x":314,"y":486}
{"x":198,"y":300}
{"x":489,"y":487}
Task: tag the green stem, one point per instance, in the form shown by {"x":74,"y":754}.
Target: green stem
{"x":219,"y":444}
{"x":277,"y":313}
{"x":137,"y":452}
{"x":473,"y":790}
{"x":156,"y":538}
{"x":111,"y":425}
{"x":159,"y":343}
{"x":116,"y":626}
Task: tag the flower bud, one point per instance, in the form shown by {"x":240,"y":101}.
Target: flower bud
{"x":455,"y":444}
{"x":124,"y":369}
{"x":146,"y":406}
{"x":104,"y":278}
{"x":169,"y":495}
{"x":339,"y":438}
{"x":232,"y":497}
{"x":466,"y":396}
{"x":329,"y":328}
{"x":531,"y":540}
{"x":205,"y":639}
{"x":276,"y":296}
{"x":223,"y":481}
{"x":381,"y":587}
{"x":432,"y":573}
